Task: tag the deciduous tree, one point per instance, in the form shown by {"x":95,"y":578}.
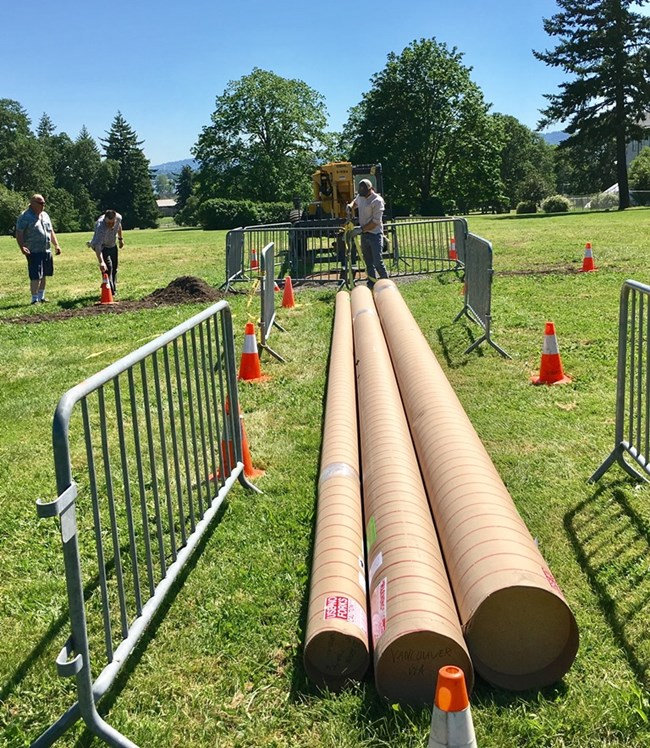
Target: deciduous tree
{"x":427,"y":123}
{"x":603,"y":46}
{"x":264,"y":140}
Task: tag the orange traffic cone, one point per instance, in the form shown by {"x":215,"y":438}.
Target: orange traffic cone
{"x":453,"y":255}
{"x":107,"y":294}
{"x":276,"y":288}
{"x":249,"y":366}
{"x":255,"y":265}
{"x":249,"y":470}
{"x":588,"y":260}
{"x":550,"y":371}
{"x":451,"y":722}
{"x":288,"y":302}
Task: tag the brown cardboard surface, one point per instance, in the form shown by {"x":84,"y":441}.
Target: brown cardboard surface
{"x":336,"y":641}
{"x":519,"y":629}
{"x":414,"y":623}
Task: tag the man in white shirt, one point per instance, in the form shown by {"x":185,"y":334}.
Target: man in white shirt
{"x":108,"y":233}
{"x":370,"y":207}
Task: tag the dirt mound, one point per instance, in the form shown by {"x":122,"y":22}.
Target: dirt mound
{"x":184,"y":290}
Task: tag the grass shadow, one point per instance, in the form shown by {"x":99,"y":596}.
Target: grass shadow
{"x":450,"y":338}
{"x":611,"y":542}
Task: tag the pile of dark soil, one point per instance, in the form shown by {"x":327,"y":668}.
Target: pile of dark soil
{"x":184,"y":290}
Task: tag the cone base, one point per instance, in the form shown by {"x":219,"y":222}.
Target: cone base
{"x":263,"y":378}
{"x":563,"y":380}
{"x":253,"y":473}
{"x":587,"y":270}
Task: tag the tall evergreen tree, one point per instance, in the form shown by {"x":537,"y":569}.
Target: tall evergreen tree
{"x":24,"y":166}
{"x":131,"y":194}
{"x":184,"y":186}
{"x":603,"y":45}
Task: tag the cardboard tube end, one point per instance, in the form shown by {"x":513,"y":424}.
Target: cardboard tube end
{"x":334,"y":658}
{"x":406,"y":671}
{"x":522,"y":638}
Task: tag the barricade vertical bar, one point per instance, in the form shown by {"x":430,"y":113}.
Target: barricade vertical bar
{"x":186,"y":453}
{"x":97,"y":524}
{"x":646,"y":451}
{"x":639,"y":375}
{"x":195,"y":449}
{"x":108,"y":477}
{"x":631,"y":409}
{"x":208,"y":408}
{"x":127,"y":495}
{"x":200,"y":417}
{"x":153,"y":470}
{"x":163,"y":455}
{"x":214,"y":416}
{"x":144,"y":512}
{"x":172,"y":428}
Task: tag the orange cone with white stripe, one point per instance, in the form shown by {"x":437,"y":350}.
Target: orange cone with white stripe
{"x":453,"y":255}
{"x":107,"y":294}
{"x":550,"y":371}
{"x":255,"y":264}
{"x":249,"y":366}
{"x":588,"y":265}
{"x":451,"y":722}
{"x":288,"y":302}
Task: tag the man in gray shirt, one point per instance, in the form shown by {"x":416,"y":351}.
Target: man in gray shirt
{"x":108,"y":233}
{"x":35,"y":237}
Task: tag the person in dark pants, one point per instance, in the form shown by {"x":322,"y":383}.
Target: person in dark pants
{"x":108,"y":234}
{"x":35,"y":237}
{"x":370,"y":207}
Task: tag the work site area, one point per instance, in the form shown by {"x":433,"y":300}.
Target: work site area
{"x":281,"y":507}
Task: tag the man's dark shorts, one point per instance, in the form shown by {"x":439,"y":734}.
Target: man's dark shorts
{"x":40,"y":265}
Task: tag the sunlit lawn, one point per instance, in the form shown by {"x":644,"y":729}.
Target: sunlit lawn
{"x":222,"y":667}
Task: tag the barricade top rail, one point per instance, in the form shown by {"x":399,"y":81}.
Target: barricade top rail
{"x":95,"y":381}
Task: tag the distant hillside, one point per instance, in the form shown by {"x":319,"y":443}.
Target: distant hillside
{"x":555,"y":137}
{"x":174,"y":167}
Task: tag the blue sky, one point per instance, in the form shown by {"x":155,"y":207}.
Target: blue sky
{"x":163,"y":63}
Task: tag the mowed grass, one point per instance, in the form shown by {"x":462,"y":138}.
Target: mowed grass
{"x":222,"y":666}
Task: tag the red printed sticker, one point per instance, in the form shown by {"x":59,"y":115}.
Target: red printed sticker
{"x":551,"y":579}
{"x":378,"y":610}
{"x":338,"y":607}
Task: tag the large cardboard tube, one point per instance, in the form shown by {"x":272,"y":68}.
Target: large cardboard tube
{"x":415,"y":626}
{"x":336,"y":643}
{"x":519,"y":629}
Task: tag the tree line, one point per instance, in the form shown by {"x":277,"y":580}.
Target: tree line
{"x":423,"y":118}
{"x":77,"y":180}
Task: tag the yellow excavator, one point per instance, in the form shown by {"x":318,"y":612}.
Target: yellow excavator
{"x":335,"y":185}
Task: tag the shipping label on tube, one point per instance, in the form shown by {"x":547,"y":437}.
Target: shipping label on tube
{"x":374,"y":566}
{"x":341,"y":608}
{"x":378,"y":610}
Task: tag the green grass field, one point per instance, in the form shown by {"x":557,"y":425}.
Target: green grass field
{"x":222,"y":666}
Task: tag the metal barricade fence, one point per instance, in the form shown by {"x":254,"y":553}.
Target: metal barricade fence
{"x":632,"y":429}
{"x":154,"y":448}
{"x":234,"y":256}
{"x":315,"y":251}
{"x":478,"y":289}
{"x":267,"y":301}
